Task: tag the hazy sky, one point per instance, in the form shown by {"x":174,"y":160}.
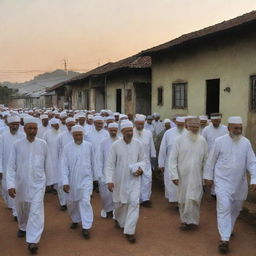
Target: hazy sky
{"x":36,"y":35}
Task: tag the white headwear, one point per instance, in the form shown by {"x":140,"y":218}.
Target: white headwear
{"x":203,"y":118}
{"x":54,"y":121}
{"x":126,"y":124}
{"x":180,"y":119}
{"x":156,"y":115}
{"x":81,"y":115}
{"x":13,"y":119}
{"x":123,"y":116}
{"x":77,"y":128}
{"x":235,"y":120}
{"x":70,"y":119}
{"x":90,"y":117}
{"x":30,"y":120}
{"x":110,"y":118}
{"x":63,"y":114}
{"x":98,"y":118}
{"x":167,"y":120}
{"x":113,"y":125}
{"x":139,"y":117}
{"x":116,"y":114}
{"x":44,"y":117}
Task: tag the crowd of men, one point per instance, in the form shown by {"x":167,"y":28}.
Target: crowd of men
{"x":74,"y":152}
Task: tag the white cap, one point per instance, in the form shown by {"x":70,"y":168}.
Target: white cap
{"x":126,"y":124}
{"x":139,"y":117}
{"x":180,"y":119}
{"x":215,"y":117}
{"x":81,"y":115}
{"x":44,"y":117}
{"x":70,"y":119}
{"x":90,"y":117}
{"x":98,"y":118}
{"x":113,"y":125}
{"x":116,"y":114}
{"x":13,"y":119}
{"x":123,"y":116}
{"x":63,"y":114}
{"x":156,"y":115}
{"x":203,"y":118}
{"x":30,"y":120}
{"x":77,"y":128}
{"x":54,"y":121}
{"x":110,"y":118}
{"x":235,"y":120}
{"x":167,"y":120}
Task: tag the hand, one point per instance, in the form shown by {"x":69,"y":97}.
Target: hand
{"x":138,"y":172}
{"x":208,"y":183}
{"x":176,"y":182}
{"x":110,"y":187}
{"x":161,"y":169}
{"x":66,"y":188}
{"x":253,"y":187}
{"x":12,"y":192}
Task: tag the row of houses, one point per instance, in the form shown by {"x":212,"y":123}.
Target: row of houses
{"x":210,"y":70}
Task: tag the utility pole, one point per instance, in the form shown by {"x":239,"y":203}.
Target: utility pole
{"x":65,"y":66}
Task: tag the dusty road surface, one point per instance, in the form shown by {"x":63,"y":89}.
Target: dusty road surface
{"x":158,"y":234}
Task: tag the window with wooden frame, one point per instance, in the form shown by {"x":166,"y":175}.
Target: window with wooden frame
{"x":160,"y":93}
{"x":179,"y":95}
{"x":253,"y":94}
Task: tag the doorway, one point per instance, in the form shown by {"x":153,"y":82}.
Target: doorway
{"x":143,"y":98}
{"x":212,"y":96}
{"x":119,"y":100}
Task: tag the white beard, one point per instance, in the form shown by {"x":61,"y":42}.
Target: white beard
{"x":236,"y":138}
{"x":180,"y":130}
{"x":193,"y":137}
{"x":139,"y":132}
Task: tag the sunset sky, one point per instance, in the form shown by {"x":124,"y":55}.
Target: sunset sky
{"x":37,"y":35}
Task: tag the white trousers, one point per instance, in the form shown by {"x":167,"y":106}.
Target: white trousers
{"x":127,"y":216}
{"x":31,"y":219}
{"x":81,"y":211}
{"x":170,"y":187}
{"x":106,"y":199}
{"x":146,"y":187}
{"x":227,"y":212}
{"x":61,"y":194}
{"x":189,"y":212}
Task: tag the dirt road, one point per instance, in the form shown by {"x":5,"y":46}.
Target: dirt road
{"x":158,"y":234}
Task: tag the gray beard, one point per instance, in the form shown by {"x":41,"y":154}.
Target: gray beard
{"x":193,"y":137}
{"x":139,"y":132}
{"x":236,"y":138}
{"x":180,"y":130}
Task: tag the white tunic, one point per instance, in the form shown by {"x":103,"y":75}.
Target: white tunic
{"x":42,"y":130}
{"x":126,"y":185}
{"x":227,"y":165}
{"x":149,"y":127}
{"x":158,"y":127}
{"x":28,"y":170}
{"x":77,"y":170}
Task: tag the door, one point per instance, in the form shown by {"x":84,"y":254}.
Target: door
{"x":119,"y":100}
{"x":212,"y":96}
{"x":143,"y":98}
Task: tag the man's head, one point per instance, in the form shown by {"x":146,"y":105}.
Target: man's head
{"x":81,"y":119}
{"x":63,"y":117}
{"x":78,"y":134}
{"x":70,"y":122}
{"x":156,"y":116}
{"x":45,"y":120}
{"x":55,"y":123}
{"x":203,"y":121}
{"x":98,"y":123}
{"x":116,"y":115}
{"x":113,"y":130}
{"x":90,"y":119}
{"x":235,"y":127}
{"x":30,"y":128}
{"x":109,"y":120}
{"x":216,"y":119}
{"x":167,"y":124}
{"x":149,"y":119}
{"x":180,"y":123}
{"x":193,"y":125}
{"x":13,"y":123}
{"x":127,"y":130}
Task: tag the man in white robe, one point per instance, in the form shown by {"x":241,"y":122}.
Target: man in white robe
{"x":203,"y":122}
{"x":188,"y":157}
{"x":27,"y":175}
{"x":105,"y":194}
{"x":164,"y":157}
{"x":157,"y":124}
{"x":77,"y":180}
{"x":146,"y":138}
{"x":6,"y":143}
{"x":63,"y":117}
{"x":89,"y":126}
{"x":212,"y":132}
{"x":63,"y":139}
{"x":229,"y":160}
{"x":124,"y":168}
{"x":42,"y":129}
{"x":148,"y":125}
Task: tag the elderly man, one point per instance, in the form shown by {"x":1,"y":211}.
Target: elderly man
{"x":187,"y":161}
{"x":125,"y":166}
{"x":42,"y":129}
{"x":105,"y":194}
{"x":163,"y":159}
{"x":230,"y":158}
{"x":149,"y":125}
{"x":27,"y":175}
{"x":89,"y":124}
{"x":146,"y":138}
{"x":63,"y":139}
{"x":6,"y":142}
{"x":77,"y":180}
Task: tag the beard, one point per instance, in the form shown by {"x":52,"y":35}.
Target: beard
{"x":236,"y":138}
{"x":193,"y":136}
{"x":180,"y":129}
{"x":139,"y":132}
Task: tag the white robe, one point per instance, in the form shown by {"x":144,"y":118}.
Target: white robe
{"x":126,"y":193}
{"x":158,"y":127}
{"x":95,"y":138}
{"x":186,"y":165}
{"x":6,"y":142}
{"x":149,"y":127}
{"x":163,"y":161}
{"x":63,"y":127}
{"x":146,"y":138}
{"x":42,"y":130}
{"x":77,"y":172}
{"x":226,"y":166}
{"x":28,"y":172}
{"x":88,"y":128}
{"x":105,"y":194}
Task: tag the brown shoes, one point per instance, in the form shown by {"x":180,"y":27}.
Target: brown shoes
{"x":33,"y":248}
{"x":223,"y":247}
{"x":131,"y":238}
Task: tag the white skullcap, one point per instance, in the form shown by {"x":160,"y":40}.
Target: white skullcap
{"x":30,"y":120}
{"x":215,"y":117}
{"x":76,"y":116}
{"x":123,"y":116}
{"x":190,"y":117}
{"x":235,"y":120}
{"x":139,"y":117}
{"x":90,"y":117}
{"x":110,"y":118}
{"x":63,"y":114}
{"x":156,"y":115}
{"x":98,"y":118}
{"x":44,"y":117}
{"x":113,"y":125}
{"x":180,"y":119}
{"x":203,"y":118}
{"x":54,"y":121}
{"x":70,"y":119}
{"x":13,"y":119}
{"x":167,"y":120}
{"x":116,"y":114}
{"x":77,"y":128}
{"x":150,"y":117}
{"x":126,"y":124}
{"x":81,"y":115}
{"x":30,"y":111}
